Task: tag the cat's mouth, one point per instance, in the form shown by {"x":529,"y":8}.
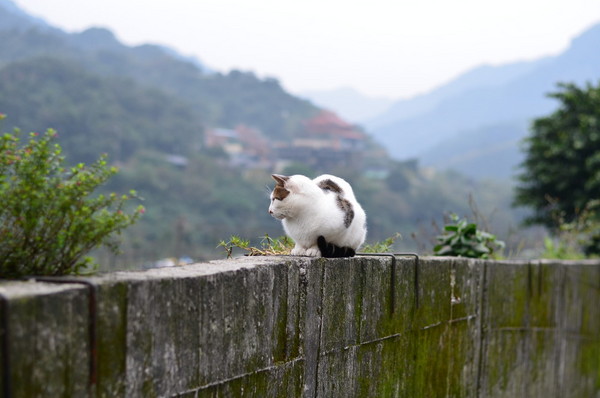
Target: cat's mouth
{"x":277,"y":215}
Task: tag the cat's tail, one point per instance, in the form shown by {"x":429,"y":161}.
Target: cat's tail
{"x":329,"y":250}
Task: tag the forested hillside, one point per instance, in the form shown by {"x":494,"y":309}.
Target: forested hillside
{"x":224,"y":100}
{"x":96,"y":114}
{"x":151,"y":111}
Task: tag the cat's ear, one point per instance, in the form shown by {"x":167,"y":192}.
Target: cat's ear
{"x":280,"y":179}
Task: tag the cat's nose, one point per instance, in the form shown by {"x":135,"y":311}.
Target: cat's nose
{"x":270,"y":211}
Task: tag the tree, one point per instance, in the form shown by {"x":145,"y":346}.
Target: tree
{"x":561,"y":171}
{"x":49,"y":218}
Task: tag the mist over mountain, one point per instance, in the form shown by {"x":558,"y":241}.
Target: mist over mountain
{"x":15,"y":18}
{"x":488,"y":105}
{"x":224,"y":100}
{"x":487,"y":152}
{"x":481,"y":77}
{"x":349,"y":103}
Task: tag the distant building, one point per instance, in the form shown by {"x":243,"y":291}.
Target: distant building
{"x":226,"y":139}
{"x":327,"y":130}
{"x":177,"y":160}
{"x":326,"y":142}
{"x":245,"y":146}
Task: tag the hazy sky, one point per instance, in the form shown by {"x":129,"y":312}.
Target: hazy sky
{"x":393,"y":48}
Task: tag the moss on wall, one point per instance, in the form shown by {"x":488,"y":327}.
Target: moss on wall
{"x":291,"y":327}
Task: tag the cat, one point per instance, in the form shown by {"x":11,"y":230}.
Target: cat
{"x":321,"y":215}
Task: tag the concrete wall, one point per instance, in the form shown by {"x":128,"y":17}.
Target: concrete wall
{"x":299,"y":327}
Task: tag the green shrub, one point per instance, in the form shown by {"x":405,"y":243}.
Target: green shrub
{"x":49,"y":219}
{"x":463,"y":239}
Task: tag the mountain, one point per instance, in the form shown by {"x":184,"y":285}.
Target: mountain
{"x":349,"y":103}
{"x":480,"y":102}
{"x":15,"y":18}
{"x":224,"y":100}
{"x":486,"y":152}
{"x":485,"y":76}
{"x":96,"y":114}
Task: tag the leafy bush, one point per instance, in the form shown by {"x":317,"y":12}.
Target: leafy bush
{"x":48,"y":219}
{"x":463,"y":239}
{"x":562,"y":158}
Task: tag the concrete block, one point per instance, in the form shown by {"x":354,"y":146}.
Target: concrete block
{"x":111,"y":338}
{"x":579,"y":370}
{"x":311,"y":295}
{"x":250,"y":319}
{"x":49,"y":344}
{"x":507,"y":286}
{"x":464,"y":333}
{"x":387,"y":297}
{"x":342,"y":291}
{"x":162,"y":336}
{"x":434,"y":291}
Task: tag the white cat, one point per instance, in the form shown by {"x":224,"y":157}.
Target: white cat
{"x":322,"y":215}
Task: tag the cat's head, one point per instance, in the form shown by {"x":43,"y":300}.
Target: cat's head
{"x":291,"y":195}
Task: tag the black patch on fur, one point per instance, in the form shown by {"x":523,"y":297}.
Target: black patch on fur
{"x":329,"y":250}
{"x":328,"y":185}
{"x":344,"y":204}
{"x":346,"y":207}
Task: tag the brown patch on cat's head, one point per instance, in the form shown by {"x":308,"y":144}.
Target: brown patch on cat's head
{"x":280,"y":193}
{"x":280,"y":179}
{"x":328,"y":185}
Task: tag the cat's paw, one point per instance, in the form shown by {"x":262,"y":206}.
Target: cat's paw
{"x":313,"y":252}
{"x":298,"y":251}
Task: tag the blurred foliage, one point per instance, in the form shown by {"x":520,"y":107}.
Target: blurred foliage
{"x":94,"y":114}
{"x":191,"y":209}
{"x":298,"y":168}
{"x":142,"y":105}
{"x":577,"y":239}
{"x":561,"y":172}
{"x":49,"y":220}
